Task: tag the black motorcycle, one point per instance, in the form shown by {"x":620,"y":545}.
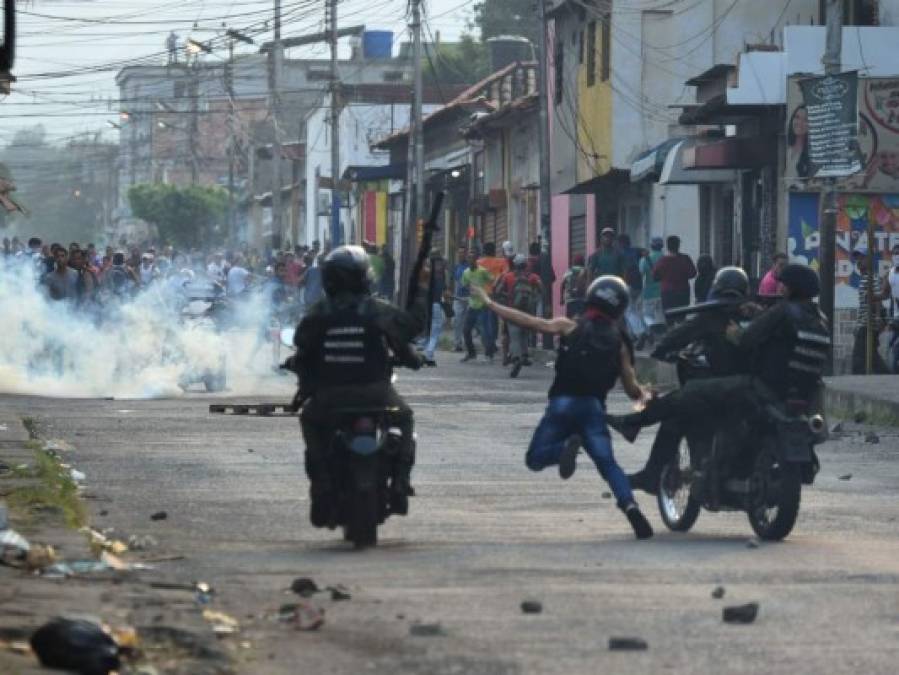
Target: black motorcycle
{"x":755,"y":461}
{"x":364,"y":448}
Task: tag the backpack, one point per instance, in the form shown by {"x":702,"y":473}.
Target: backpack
{"x":524,"y":295}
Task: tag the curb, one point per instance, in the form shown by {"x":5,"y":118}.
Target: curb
{"x":844,"y":403}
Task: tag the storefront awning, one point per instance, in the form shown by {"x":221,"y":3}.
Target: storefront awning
{"x":649,"y":165}
{"x":677,"y":170}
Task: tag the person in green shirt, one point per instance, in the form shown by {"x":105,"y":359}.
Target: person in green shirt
{"x":607,"y":259}
{"x":477,"y":316}
{"x":652,"y":290}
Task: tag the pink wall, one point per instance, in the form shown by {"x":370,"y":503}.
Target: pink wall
{"x":590,"y":220}
{"x":559,"y":214}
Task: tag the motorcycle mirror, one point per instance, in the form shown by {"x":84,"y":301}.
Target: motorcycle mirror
{"x":287,"y":336}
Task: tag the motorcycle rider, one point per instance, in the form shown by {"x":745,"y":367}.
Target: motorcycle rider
{"x":787,"y":348}
{"x":594,"y":353}
{"x":343,"y":359}
{"x":706,"y":329}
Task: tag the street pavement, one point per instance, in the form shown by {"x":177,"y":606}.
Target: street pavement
{"x":485,"y":534}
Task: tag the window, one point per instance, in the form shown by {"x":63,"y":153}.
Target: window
{"x":606,"y":62}
{"x":559,"y":70}
{"x":591,"y":53}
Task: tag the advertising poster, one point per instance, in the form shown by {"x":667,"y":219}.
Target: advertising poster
{"x":830,"y":109}
{"x":854,"y":212}
{"x":877,"y":139}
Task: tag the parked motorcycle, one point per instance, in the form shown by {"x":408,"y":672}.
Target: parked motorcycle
{"x":755,"y":461}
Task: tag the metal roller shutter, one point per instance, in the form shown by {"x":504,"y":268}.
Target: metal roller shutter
{"x":577,"y":236}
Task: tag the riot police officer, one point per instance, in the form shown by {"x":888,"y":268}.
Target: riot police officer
{"x":706,"y":329}
{"x":787,"y":347}
{"x":345,"y":347}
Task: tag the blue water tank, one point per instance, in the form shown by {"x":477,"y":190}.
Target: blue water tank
{"x":377,"y":44}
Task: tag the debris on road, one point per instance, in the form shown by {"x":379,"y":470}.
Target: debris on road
{"x":304,"y":615}
{"x":204,"y":592}
{"x":860,"y":416}
{"x":872,"y":437}
{"x":304,"y":587}
{"x":76,"y":644}
{"x":752,"y":542}
{"x":836,"y":428}
{"x":627,"y":644}
{"x":846,"y":476}
{"x":159,"y":515}
{"x":531,"y":607}
{"x":741,"y":613}
{"x":426,"y":630}
{"x":138,"y":543}
{"x":222,"y":624}
{"x":339,"y":593}
{"x":13,"y":547}
{"x":77,"y":476}
{"x":718,"y":593}
{"x":606,"y":495}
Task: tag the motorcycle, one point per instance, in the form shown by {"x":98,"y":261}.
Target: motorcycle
{"x":753,"y":461}
{"x":365,"y":446}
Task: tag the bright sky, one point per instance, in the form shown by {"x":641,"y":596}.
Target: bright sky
{"x":66,"y":65}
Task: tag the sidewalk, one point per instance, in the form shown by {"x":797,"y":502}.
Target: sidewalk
{"x":877,"y":396}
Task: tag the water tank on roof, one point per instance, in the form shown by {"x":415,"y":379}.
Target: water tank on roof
{"x":506,"y":49}
{"x":377,"y":44}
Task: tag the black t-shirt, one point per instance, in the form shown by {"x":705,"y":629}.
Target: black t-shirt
{"x":589,"y":360}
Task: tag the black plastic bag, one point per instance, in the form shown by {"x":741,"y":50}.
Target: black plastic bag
{"x":75,"y":644}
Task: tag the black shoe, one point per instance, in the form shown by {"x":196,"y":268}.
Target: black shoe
{"x":642,"y":528}
{"x":643,"y":480}
{"x":430,"y":363}
{"x":458,"y":350}
{"x":400,"y":491}
{"x":468,"y":357}
{"x":516,"y":368}
{"x":320,"y":511}
{"x":568,"y":458}
{"x":619,"y":424}
{"x":507,"y":360}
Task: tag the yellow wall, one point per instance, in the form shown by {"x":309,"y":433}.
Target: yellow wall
{"x":594,"y":131}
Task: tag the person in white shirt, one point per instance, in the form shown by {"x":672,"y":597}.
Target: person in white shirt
{"x":238,"y":277}
{"x":216,"y":269}
{"x":147,"y":269}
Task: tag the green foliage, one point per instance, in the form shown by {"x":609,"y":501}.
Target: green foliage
{"x":187,"y":217}
{"x":463,"y":62}
{"x":506,"y":17}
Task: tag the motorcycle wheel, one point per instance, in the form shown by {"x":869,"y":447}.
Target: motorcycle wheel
{"x":775,"y":501}
{"x":362,"y":527}
{"x":677,"y":507}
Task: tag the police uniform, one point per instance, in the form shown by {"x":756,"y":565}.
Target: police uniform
{"x":344,"y":347}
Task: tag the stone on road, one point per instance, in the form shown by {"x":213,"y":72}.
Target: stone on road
{"x":483,"y":534}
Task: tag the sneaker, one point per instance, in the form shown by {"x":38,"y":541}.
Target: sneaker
{"x":642,"y":528}
{"x":642,"y":480}
{"x":568,"y":458}
{"x":630,"y":432}
{"x":458,"y":349}
{"x":516,"y":368}
{"x":468,"y":357}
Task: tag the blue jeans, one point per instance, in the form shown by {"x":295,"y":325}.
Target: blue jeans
{"x":437,"y":318}
{"x":478,"y":318}
{"x":585,"y":416}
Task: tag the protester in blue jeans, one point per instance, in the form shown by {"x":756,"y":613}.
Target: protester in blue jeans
{"x":593,"y":354}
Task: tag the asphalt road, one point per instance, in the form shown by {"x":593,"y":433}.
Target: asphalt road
{"x":485,"y":534}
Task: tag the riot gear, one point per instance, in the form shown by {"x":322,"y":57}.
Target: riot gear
{"x":346,"y":269}
{"x":731,"y":283}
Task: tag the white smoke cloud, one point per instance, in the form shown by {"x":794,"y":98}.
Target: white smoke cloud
{"x":140,"y":349}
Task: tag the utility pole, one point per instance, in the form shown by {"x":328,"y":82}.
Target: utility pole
{"x":828,"y":236}
{"x":336,"y":229}
{"x":194,"y":121}
{"x":545,"y":192}
{"x":275,"y":57}
{"x":415,"y":186}
{"x":229,"y":82}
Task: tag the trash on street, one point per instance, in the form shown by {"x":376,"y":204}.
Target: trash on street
{"x":76,"y":644}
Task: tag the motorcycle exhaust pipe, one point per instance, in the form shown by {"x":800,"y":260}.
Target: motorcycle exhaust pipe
{"x":817,"y":426}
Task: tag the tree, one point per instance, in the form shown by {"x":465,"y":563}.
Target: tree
{"x":462,"y":62}
{"x":506,"y":17}
{"x":187,"y":217}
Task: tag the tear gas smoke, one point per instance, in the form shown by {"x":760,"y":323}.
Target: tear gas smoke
{"x":142,"y":347}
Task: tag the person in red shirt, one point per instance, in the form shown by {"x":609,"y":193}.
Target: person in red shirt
{"x":521,"y":290}
{"x":674,"y":270}
{"x":497,"y":267}
{"x":293,"y":270}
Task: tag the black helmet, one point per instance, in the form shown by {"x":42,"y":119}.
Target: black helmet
{"x":346,"y":270}
{"x":801,"y":281}
{"x":730,"y":284}
{"x":610,"y":295}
